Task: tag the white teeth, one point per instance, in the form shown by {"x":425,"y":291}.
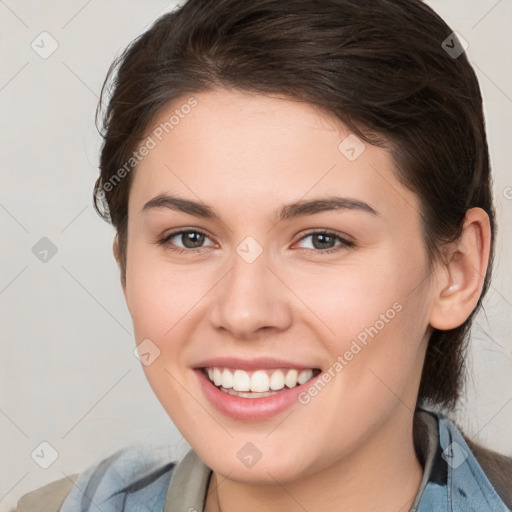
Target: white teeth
{"x":227,"y":379}
{"x":217,"y":377}
{"x":241,"y":381}
{"x":250,"y":394}
{"x":260,"y":381}
{"x":304,"y":376}
{"x":277,"y":380}
{"x":291,"y":378}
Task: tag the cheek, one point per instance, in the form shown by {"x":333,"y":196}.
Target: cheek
{"x":160,"y":311}
{"x":372,"y":315}
{"x":167,"y":308}
{"x":348,"y":298}
{"x":159,"y":295}
{"x":357,"y":300}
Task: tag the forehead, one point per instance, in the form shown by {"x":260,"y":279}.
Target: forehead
{"x":230,"y":147}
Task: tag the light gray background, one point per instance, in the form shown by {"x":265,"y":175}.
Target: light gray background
{"x":67,"y":372}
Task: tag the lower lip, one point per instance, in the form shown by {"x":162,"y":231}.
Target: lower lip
{"x":251,"y":409}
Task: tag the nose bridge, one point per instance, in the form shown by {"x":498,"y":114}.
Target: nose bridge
{"x":250,"y":297}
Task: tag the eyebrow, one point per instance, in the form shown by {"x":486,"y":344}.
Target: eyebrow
{"x":287,"y":212}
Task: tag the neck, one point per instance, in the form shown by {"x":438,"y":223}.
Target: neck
{"x":383,"y":474}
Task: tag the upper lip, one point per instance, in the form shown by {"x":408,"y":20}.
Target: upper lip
{"x":259,"y":363}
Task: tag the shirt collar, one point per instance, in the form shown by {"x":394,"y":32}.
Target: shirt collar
{"x":456,"y":482}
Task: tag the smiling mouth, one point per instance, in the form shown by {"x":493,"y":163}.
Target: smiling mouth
{"x":258,"y":383}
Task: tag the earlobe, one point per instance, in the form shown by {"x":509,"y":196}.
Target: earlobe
{"x":115,"y":249}
{"x":462,"y":276}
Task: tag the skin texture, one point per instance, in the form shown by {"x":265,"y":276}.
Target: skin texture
{"x":245,"y":155}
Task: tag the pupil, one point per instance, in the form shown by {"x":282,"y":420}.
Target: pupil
{"x":323,"y":239}
{"x":190,"y":238}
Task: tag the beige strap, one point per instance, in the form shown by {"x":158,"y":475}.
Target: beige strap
{"x":188,"y":486}
{"x":48,"y":498}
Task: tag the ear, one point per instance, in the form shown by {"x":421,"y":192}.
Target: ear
{"x":115,"y":250}
{"x":461,"y":278}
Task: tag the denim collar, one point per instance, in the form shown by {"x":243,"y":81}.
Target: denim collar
{"x":455,"y":479}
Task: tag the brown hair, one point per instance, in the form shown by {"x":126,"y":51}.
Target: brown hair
{"x":378,"y":65}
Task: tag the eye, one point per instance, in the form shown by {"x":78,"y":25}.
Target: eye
{"x":325,"y":242}
{"x":190,"y":238}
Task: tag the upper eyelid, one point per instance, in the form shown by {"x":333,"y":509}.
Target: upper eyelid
{"x":183,"y":231}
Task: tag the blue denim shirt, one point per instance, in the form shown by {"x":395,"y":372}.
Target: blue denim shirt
{"x":456,"y":481}
{"x":135,"y":479}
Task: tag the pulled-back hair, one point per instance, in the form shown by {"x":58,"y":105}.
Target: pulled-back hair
{"x":381,"y":66}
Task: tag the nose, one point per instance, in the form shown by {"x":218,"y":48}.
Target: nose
{"x":250,"y":300}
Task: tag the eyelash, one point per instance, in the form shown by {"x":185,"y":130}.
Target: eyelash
{"x":344,"y":242}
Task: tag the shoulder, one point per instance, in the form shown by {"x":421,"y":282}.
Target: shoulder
{"x":48,"y":498}
{"x":129,"y":479}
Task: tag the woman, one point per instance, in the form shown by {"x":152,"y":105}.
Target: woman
{"x":302,"y":198}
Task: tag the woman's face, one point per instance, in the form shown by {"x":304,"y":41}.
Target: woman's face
{"x":261,"y":292}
